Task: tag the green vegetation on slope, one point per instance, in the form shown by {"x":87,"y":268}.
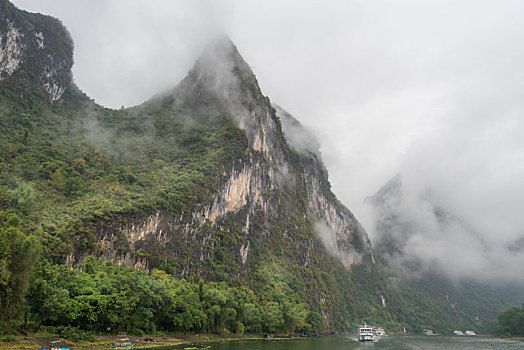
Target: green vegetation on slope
{"x":67,"y":165}
{"x":70,"y":165}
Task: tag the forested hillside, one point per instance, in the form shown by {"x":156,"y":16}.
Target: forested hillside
{"x":190,"y":212}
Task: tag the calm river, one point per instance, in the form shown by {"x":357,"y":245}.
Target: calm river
{"x":340,"y":342}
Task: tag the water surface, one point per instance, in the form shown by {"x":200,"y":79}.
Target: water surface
{"x":346,"y":342}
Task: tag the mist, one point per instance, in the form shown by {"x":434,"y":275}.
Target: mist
{"x":430,"y":90}
{"x":419,"y":234}
{"x":297,"y":136}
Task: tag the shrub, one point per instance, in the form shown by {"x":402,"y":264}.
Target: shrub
{"x":138,"y":332}
{"x":8,"y":338}
{"x":74,"y":333}
{"x":160,"y":335}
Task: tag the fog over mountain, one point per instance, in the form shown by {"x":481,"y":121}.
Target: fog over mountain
{"x":418,"y":234}
{"x":430,"y":90}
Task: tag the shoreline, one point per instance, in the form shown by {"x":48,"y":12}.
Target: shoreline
{"x":36,"y":341}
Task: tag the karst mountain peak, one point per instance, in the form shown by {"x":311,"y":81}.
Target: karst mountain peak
{"x":208,"y":186}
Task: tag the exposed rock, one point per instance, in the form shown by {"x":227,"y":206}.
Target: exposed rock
{"x":36,"y":53}
{"x":11,"y":47}
{"x":244,"y":250}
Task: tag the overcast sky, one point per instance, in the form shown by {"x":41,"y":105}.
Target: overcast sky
{"x":433,"y":90}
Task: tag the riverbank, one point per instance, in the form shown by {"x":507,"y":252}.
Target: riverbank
{"x":521,"y":339}
{"x":39,"y":341}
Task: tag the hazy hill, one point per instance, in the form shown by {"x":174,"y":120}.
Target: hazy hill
{"x":407,"y":226}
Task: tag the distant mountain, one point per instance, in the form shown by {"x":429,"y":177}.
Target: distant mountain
{"x":411,"y":230}
{"x":404,"y":220}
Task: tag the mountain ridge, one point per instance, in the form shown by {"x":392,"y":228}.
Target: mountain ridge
{"x":238,"y":93}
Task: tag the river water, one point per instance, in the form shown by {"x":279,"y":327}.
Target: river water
{"x":339,"y":342}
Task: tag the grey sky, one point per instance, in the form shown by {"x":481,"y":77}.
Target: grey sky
{"x":430,"y":89}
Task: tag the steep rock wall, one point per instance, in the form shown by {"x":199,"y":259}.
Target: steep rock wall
{"x":36,"y":52}
{"x":11,"y":47}
{"x":250,"y":190}
{"x":273,"y":194}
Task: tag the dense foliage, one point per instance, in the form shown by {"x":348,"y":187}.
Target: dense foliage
{"x":16,"y":262}
{"x":97,"y":296}
{"x":61,"y":172}
{"x":511,"y":322}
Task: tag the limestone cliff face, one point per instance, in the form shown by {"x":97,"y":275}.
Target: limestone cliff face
{"x":36,"y":53}
{"x":338,"y":228}
{"x":252,"y":190}
{"x":11,"y":47}
{"x":336,"y":225}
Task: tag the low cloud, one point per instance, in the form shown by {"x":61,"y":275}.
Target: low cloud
{"x":119,"y":142}
{"x":419,"y":233}
{"x":328,"y":238}
{"x":297,"y":136}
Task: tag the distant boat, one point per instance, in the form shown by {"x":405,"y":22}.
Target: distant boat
{"x":458,"y":333}
{"x":366,"y":333}
{"x":470,"y":333}
{"x":428,"y":332}
{"x":380,"y":332}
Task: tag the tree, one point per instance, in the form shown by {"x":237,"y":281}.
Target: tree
{"x":18,"y":253}
{"x":315,"y":320}
{"x":187,"y":313}
{"x":511,"y":321}
{"x":252,"y":317}
{"x":272,"y":318}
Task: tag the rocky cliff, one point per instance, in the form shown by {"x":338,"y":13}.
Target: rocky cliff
{"x":252,"y":193}
{"x":36,"y":53}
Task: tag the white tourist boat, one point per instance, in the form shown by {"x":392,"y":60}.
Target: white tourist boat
{"x":428,"y":332}
{"x":470,"y":333}
{"x":380,"y":332}
{"x":366,"y":333}
{"x":458,"y":333}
